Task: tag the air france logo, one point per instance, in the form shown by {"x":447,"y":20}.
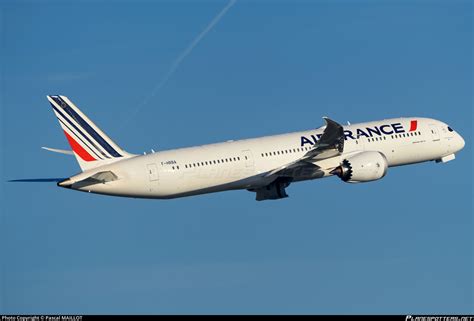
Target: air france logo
{"x":389,"y":129}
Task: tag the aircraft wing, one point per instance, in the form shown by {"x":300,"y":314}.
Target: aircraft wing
{"x":329,"y":145}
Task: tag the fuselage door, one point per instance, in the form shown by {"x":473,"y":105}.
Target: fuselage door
{"x":434,"y":133}
{"x":247,"y":158}
{"x":152,"y":172}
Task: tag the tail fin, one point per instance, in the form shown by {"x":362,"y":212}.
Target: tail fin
{"x":91,"y":146}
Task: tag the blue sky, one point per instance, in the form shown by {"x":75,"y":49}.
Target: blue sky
{"x":400,"y":245}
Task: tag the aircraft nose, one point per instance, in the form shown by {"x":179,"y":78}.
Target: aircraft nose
{"x":460,"y":142}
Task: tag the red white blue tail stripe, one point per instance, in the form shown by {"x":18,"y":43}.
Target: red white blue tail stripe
{"x":87,"y":141}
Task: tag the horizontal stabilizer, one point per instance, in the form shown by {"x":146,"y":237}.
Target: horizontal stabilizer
{"x":60,"y":151}
{"x":37,"y":180}
{"x":97,"y":178}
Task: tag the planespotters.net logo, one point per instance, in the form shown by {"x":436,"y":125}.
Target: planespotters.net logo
{"x":438,"y":318}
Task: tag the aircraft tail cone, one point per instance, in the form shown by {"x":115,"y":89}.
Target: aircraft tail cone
{"x":67,"y":183}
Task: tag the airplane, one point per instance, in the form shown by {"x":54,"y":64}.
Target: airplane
{"x":267,"y":165}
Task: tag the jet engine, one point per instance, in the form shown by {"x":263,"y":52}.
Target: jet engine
{"x":362,"y":167}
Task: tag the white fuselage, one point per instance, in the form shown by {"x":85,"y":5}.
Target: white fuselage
{"x":244,"y":164}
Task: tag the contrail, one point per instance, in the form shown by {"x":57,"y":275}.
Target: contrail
{"x":177,"y":62}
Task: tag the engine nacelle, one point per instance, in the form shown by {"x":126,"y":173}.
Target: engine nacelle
{"x":362,"y":167}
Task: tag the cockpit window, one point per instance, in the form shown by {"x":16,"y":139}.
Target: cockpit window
{"x":450,"y":129}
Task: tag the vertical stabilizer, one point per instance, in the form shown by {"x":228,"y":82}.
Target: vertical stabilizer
{"x":91,"y":146}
